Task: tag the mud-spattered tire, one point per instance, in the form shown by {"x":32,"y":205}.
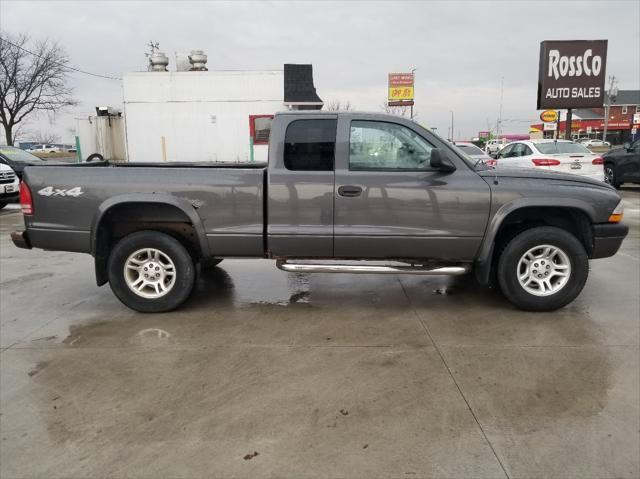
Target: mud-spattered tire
{"x":171,"y":257}
{"x":513,"y":265}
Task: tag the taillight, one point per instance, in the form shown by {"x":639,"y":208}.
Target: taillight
{"x":26,"y":202}
{"x":490,"y":162}
{"x":545,"y":162}
{"x":597,"y":161}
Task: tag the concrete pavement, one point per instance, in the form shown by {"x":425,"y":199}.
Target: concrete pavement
{"x":320,"y":375}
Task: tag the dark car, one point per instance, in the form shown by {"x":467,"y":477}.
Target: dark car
{"x":622,"y":165}
{"x":18,"y":159}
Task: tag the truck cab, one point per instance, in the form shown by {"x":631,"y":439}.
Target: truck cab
{"x":359,"y":185}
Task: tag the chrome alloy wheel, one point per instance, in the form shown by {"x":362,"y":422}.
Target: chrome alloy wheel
{"x":544,"y":270}
{"x":149,"y":273}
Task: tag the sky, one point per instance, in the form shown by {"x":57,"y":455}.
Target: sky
{"x":461,"y":50}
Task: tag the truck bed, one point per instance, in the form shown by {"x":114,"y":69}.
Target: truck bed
{"x":228,"y":200}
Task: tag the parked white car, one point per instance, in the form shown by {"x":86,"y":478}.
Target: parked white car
{"x":493,"y":146}
{"x":558,"y":155}
{"x":595,"y":143}
{"x":44,"y":149}
{"x":9,"y":185}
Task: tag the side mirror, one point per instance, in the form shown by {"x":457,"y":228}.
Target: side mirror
{"x":440,"y":161}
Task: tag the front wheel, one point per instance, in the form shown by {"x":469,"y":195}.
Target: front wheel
{"x":151,"y":272}
{"x":543,"y":269}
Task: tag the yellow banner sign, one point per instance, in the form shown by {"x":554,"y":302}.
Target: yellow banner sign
{"x":401,"y":93}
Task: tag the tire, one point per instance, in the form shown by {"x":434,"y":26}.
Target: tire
{"x":164,"y":292}
{"x":610,"y":176}
{"x":95,"y":157}
{"x":540,"y":296}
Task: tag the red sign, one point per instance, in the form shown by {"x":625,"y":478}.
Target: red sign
{"x":400,"y":79}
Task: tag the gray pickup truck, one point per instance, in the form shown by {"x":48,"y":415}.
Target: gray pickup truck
{"x":338,"y":187}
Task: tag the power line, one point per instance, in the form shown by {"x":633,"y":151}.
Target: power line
{"x":62,"y":64}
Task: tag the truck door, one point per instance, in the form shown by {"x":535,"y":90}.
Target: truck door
{"x":301,"y":182}
{"x":390,"y":203}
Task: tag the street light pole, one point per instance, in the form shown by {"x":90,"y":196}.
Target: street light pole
{"x":499,"y":123}
{"x":452,"y":126}
{"x":413,"y":75}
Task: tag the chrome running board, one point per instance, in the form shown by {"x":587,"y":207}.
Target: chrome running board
{"x":369,"y":269}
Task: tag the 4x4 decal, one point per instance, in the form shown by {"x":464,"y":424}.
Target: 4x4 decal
{"x":51,"y":191}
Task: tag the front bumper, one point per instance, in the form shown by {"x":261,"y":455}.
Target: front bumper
{"x":607,"y":238}
{"x":21,"y":239}
{"x":9,"y":196}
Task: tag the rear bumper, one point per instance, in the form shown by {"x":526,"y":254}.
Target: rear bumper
{"x":21,"y":239}
{"x":607,"y":238}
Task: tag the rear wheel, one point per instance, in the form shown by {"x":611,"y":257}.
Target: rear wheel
{"x":610,"y":176}
{"x":151,"y":272}
{"x":542,"y":269}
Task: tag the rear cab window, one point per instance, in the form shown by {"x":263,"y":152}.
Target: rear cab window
{"x":310,"y":145}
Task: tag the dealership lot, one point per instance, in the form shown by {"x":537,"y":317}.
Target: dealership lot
{"x":269,"y":374}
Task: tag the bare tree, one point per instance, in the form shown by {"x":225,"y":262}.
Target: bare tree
{"x":404,"y":111}
{"x":32,"y":80}
{"x":337,"y":105}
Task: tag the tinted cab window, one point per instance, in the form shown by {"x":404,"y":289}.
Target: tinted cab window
{"x":310,"y":145}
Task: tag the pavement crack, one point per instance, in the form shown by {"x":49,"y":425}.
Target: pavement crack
{"x":453,"y":378}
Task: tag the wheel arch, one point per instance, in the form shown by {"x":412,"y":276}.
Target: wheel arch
{"x":574,"y":215}
{"x":145,"y":211}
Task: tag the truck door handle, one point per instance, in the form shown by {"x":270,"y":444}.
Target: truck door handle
{"x":349,"y":191}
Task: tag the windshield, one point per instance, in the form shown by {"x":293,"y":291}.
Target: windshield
{"x":471,"y":150}
{"x":561,"y":147}
{"x":18,"y":155}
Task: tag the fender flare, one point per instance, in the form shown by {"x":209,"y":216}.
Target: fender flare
{"x":485,"y":252}
{"x":158,"y":198}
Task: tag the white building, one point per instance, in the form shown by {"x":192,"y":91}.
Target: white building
{"x":196,"y":116}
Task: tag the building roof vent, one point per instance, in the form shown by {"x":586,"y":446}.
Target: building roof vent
{"x":158,"y":62}
{"x":198,"y":61}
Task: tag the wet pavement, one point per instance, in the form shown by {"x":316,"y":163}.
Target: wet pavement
{"x":268,"y":374}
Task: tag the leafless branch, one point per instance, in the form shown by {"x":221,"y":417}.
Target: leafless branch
{"x":337,"y":105}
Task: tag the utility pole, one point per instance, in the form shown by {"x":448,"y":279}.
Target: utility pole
{"x":612,"y":93}
{"x":499,"y":125}
{"x":452,"y":126}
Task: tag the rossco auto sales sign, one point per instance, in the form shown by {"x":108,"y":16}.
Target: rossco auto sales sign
{"x":572,"y":73}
